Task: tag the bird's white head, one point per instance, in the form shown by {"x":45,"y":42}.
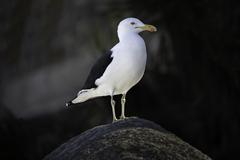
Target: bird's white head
{"x":133,"y":25}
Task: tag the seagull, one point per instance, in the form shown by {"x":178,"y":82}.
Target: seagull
{"x":118,"y":70}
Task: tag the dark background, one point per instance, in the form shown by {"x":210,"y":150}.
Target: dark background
{"x":191,"y":85}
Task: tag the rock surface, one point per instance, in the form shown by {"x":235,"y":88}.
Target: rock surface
{"x":130,"y":139}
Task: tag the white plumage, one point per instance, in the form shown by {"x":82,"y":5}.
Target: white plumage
{"x":121,"y":69}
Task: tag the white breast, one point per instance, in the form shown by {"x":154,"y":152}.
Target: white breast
{"x":127,"y":67}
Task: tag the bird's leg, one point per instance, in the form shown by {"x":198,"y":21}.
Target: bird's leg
{"x":123,"y":101}
{"x":113,"y":109}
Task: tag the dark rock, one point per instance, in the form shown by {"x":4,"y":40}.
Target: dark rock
{"x":133,"y":138}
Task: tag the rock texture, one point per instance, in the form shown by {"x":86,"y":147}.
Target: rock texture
{"x":130,"y":139}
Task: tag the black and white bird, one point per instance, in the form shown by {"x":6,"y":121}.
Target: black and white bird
{"x":118,"y":70}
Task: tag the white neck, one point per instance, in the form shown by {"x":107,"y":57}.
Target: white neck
{"x":124,"y":34}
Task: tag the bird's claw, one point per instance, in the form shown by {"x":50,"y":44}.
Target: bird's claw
{"x":115,"y":120}
{"x":123,"y":117}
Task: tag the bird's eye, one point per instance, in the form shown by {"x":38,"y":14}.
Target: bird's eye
{"x":132,"y":23}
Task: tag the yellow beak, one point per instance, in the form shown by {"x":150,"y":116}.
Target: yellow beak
{"x":149,"y":28}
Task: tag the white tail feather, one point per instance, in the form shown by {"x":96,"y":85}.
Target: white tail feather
{"x":84,"y":95}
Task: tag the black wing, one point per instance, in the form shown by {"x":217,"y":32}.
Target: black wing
{"x":98,"y":70}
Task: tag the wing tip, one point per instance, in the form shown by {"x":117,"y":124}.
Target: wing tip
{"x":68,"y":104}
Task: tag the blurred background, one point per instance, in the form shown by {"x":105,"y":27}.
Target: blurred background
{"x":191,"y":85}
